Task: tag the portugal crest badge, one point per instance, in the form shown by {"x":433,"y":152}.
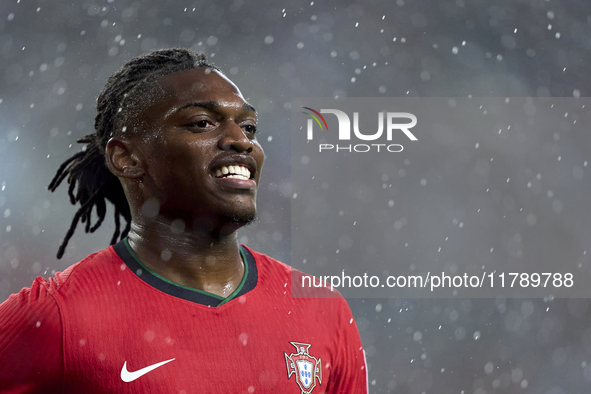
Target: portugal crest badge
{"x":306,"y":368}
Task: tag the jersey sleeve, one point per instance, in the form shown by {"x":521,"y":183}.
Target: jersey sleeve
{"x":31,"y":342}
{"x":349,"y":369}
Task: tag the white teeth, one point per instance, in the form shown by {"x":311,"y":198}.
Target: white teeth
{"x":235,"y":171}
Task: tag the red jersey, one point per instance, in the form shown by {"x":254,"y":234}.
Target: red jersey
{"x":110,"y":325}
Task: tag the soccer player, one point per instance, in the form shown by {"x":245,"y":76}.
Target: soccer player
{"x":176,"y":305}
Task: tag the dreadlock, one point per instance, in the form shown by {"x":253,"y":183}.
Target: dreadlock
{"x":90,"y":182}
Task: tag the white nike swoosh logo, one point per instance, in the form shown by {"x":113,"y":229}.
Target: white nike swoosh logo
{"x":127,"y":376}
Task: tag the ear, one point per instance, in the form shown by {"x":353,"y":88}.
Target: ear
{"x":122,"y":159}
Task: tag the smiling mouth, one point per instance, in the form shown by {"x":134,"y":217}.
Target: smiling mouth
{"x":236,"y":171}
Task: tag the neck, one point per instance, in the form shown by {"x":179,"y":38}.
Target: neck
{"x":205,"y":260}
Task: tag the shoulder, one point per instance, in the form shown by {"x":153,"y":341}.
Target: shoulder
{"x":95,"y":265}
{"x":43,"y":296}
{"x":29,"y":307}
{"x":31,"y":334}
{"x":268,"y":269}
{"x":301,"y":285}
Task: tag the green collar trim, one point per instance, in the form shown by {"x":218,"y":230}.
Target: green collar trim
{"x":222,"y":299}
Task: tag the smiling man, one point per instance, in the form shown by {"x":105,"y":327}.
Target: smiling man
{"x":176,"y":305}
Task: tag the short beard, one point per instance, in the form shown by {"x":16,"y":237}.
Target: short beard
{"x":233,"y":222}
{"x":243,"y":219}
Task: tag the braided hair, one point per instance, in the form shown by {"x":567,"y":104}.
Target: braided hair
{"x":90,"y":182}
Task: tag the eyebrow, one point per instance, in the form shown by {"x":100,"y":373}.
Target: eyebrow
{"x":209,"y":105}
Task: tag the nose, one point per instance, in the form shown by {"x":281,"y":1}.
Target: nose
{"x":233,"y":137}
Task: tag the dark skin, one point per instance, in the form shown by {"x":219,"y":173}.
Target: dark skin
{"x":184,"y":216}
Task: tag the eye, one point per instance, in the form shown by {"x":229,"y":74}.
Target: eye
{"x":250,"y":129}
{"x":200,"y":125}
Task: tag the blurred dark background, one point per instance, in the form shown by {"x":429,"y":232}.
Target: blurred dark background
{"x":56,"y":56}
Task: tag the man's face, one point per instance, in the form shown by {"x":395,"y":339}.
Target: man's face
{"x":200,"y":148}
